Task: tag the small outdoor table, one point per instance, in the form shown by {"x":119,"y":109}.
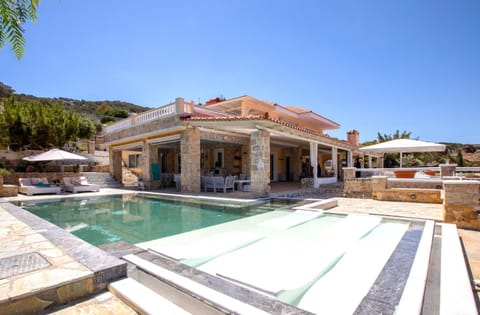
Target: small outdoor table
{"x":241,"y":182}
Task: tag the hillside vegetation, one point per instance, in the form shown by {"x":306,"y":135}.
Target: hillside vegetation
{"x":96,"y":110}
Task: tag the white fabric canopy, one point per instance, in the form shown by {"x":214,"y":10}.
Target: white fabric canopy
{"x":403,"y":145}
{"x":54,"y":155}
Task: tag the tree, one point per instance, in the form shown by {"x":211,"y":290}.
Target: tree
{"x":13,"y":14}
{"x":459,"y":160}
{"x":39,"y":126}
{"x":396,"y":135}
{"x":392,"y":159}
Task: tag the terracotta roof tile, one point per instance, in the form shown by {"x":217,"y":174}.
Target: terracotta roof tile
{"x":262,"y":117}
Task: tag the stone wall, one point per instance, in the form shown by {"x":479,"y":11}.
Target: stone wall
{"x":8,"y":190}
{"x":381,"y":191}
{"x":246,"y":158}
{"x":410,"y":195}
{"x":461,"y":203}
{"x":223,"y":138}
{"x":296,"y":164}
{"x":414,"y":183}
{"x":358,"y":185}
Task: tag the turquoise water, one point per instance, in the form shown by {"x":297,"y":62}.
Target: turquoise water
{"x":134,"y":219}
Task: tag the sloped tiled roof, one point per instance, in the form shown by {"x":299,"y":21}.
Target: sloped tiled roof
{"x":297,"y":110}
{"x":264,"y":117}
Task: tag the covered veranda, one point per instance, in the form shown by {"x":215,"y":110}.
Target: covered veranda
{"x":257,"y":150}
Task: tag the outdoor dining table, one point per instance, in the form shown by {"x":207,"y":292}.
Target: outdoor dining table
{"x":241,"y":182}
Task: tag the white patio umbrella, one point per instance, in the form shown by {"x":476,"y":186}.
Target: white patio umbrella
{"x":55,"y":155}
{"x":403,"y":145}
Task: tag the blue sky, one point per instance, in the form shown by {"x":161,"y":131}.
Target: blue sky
{"x":374,"y":66}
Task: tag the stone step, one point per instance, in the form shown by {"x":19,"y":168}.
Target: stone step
{"x":143,"y":299}
{"x":104,"y":180}
{"x":191,"y":295}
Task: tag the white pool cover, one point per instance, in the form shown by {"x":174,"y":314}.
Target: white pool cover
{"x":320,"y":263}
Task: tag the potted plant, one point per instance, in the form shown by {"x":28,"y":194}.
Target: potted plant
{"x":3,"y":171}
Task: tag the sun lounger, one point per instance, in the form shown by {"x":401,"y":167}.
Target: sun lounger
{"x":36,"y":186}
{"x":78,"y":184}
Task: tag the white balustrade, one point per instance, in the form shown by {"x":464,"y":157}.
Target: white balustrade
{"x":143,"y":118}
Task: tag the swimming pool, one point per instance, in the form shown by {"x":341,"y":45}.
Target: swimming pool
{"x":138,"y":218}
{"x":305,"y":258}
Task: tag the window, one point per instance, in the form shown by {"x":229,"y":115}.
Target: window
{"x":134,"y":160}
{"x":218,"y":158}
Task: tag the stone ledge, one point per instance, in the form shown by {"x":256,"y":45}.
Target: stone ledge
{"x":8,"y":191}
{"x":409,"y":195}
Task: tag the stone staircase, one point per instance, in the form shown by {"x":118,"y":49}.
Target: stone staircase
{"x":104,"y":180}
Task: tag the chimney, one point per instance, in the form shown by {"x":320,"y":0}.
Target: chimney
{"x":215,"y":100}
{"x":353,"y":137}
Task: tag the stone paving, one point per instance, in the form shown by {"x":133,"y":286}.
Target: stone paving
{"x":427,"y":211}
{"x":103,"y":304}
{"x":51,"y":266}
{"x":16,"y":237}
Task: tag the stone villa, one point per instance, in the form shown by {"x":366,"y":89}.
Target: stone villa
{"x":264,"y":141}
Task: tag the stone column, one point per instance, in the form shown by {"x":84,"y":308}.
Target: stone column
{"x":461,"y":203}
{"x":447,"y":169}
{"x":116,"y":166}
{"x":190,"y":157}
{"x":379,"y":184}
{"x":146,"y":168}
{"x":260,"y":162}
{"x":296,"y":163}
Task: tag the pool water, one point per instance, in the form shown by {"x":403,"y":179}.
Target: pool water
{"x":137,"y":218}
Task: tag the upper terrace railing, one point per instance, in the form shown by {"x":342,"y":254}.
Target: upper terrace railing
{"x":390,"y":172}
{"x":177,"y":107}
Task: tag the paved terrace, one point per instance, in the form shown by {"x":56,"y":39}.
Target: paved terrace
{"x":70,"y":269}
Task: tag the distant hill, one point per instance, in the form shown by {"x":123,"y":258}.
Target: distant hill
{"x":83,"y":107}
